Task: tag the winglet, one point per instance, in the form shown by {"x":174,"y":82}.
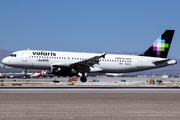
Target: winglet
{"x":103,"y":55}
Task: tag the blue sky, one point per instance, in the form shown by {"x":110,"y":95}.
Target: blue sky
{"x":87,"y":25}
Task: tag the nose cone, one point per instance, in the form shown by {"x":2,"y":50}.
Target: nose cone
{"x":5,"y":61}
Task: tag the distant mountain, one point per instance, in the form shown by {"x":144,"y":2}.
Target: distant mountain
{"x":171,"y":70}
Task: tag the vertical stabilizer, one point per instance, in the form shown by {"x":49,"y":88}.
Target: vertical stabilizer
{"x":161,"y":46}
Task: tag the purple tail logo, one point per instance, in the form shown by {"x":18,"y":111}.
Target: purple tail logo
{"x":159,"y":46}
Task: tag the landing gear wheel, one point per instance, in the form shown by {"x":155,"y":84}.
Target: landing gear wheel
{"x":83,"y":79}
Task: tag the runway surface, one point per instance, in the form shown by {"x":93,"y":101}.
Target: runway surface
{"x":88,"y":104}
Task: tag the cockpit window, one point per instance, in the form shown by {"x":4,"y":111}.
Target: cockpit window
{"x":12,"y":55}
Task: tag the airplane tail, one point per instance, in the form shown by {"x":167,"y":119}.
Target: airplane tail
{"x":23,"y":72}
{"x":161,"y":46}
{"x":42,"y":73}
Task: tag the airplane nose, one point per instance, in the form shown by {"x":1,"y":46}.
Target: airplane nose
{"x":5,"y":61}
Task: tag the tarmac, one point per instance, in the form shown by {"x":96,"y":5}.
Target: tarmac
{"x":88,"y":104}
{"x":39,"y":99}
{"x":102,"y":82}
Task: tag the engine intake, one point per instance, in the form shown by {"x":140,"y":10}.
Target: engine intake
{"x":63,"y":71}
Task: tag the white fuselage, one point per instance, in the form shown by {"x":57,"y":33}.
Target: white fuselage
{"x":112,"y":63}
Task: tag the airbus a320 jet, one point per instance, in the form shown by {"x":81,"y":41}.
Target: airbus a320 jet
{"x":77,"y":63}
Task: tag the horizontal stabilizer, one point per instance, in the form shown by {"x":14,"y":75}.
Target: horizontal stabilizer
{"x":167,"y":61}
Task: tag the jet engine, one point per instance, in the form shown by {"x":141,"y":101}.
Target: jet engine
{"x":63,"y":71}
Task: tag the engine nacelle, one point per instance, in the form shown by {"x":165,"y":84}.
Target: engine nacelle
{"x":63,"y":71}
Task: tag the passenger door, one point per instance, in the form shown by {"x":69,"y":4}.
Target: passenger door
{"x":25,"y":56}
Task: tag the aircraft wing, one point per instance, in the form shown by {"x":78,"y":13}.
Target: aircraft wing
{"x":89,"y":62}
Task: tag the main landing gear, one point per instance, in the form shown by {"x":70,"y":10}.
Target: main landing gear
{"x":83,"y":79}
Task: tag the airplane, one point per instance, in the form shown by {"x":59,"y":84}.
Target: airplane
{"x":80,"y":64}
{"x":43,"y":73}
{"x":15,"y":75}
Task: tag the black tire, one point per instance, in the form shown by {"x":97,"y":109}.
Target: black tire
{"x":83,"y":79}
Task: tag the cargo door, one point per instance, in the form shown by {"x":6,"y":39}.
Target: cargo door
{"x":139,"y":62}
